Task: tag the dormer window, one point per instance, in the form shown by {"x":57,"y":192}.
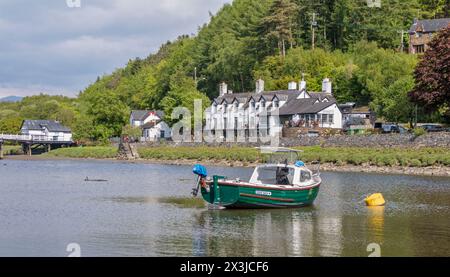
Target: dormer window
{"x":263,"y":103}
{"x":276,"y":103}
{"x":236,"y":104}
{"x":225,"y":107}
{"x":253,"y":104}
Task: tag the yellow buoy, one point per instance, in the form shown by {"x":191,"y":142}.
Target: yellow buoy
{"x":376,"y":199}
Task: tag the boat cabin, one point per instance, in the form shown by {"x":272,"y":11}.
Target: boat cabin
{"x":282,"y":174}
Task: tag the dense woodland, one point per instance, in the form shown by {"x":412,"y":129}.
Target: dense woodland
{"x":355,"y":45}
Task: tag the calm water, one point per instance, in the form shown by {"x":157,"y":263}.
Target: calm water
{"x":45,"y":205}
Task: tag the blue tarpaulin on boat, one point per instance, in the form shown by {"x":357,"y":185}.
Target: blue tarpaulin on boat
{"x":200,"y":170}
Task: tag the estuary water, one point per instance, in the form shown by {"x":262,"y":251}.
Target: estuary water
{"x":47,"y":205}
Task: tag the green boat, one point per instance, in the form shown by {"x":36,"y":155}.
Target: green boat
{"x":272,"y":185}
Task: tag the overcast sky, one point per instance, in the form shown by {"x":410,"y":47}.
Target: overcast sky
{"x":46,"y":46}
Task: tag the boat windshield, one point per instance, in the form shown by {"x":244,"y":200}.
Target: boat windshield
{"x":275,"y":175}
{"x":280,"y":155}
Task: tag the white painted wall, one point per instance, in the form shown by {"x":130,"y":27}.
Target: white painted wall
{"x":155,"y":132}
{"x":61,"y":136}
{"x":337,"y":117}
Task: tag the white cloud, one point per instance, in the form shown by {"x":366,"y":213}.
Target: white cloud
{"x":47,"y":46}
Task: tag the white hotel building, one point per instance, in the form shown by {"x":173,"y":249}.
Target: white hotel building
{"x":269,"y":110}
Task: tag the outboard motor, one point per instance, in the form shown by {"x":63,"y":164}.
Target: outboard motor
{"x":201,"y":172}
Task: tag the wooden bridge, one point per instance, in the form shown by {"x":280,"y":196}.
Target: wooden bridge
{"x":30,"y":142}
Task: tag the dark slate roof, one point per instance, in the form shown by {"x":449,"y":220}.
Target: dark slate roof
{"x":268,"y":95}
{"x":304,"y":106}
{"x":430,"y":25}
{"x":292,"y":105}
{"x":51,"y":125}
{"x":141,"y":115}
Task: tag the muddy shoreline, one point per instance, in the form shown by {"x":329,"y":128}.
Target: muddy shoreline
{"x":438,"y":171}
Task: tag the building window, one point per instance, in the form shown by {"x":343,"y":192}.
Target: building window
{"x":324,"y":119}
{"x":253,"y":104}
{"x":419,"y":48}
{"x":276,"y":104}
{"x":236,"y":105}
{"x":263,"y":104}
{"x":331,"y":118}
{"x":225,"y":107}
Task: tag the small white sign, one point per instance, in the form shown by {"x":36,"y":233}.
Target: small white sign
{"x":265,"y":193}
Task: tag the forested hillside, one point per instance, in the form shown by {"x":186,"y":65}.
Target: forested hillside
{"x":355,"y":45}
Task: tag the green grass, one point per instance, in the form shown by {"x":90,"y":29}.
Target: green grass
{"x":407,"y":157}
{"x":340,"y":156}
{"x":97,"y":152}
{"x":184,"y":202}
{"x":243,"y":154}
{"x":12,"y":150}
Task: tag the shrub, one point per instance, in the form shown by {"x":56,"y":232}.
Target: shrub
{"x":419,"y":132}
{"x":415,"y":163}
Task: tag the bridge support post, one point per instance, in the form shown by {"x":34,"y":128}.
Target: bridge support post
{"x":49,"y":147}
{"x":1,"y":150}
{"x":27,"y":149}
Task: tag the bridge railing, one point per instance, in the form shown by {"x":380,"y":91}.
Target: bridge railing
{"x":33,"y":138}
{"x":15,"y":137}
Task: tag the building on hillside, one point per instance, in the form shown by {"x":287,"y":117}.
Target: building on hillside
{"x":151,"y":123}
{"x":421,"y":33}
{"x":357,"y":118}
{"x":46,"y":130}
{"x":270,"y":110}
{"x":141,"y":117}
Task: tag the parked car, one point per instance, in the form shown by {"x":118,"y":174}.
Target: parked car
{"x":391,"y":128}
{"x":433,"y":128}
{"x":388,"y":128}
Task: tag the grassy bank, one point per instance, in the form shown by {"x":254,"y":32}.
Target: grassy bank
{"x":339,"y":156}
{"x":95,"y":152}
{"x":381,"y":157}
{"x":9,"y":150}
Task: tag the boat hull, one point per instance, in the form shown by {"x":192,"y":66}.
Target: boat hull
{"x":245,"y":196}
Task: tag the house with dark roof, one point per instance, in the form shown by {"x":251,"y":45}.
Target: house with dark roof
{"x":273,"y":109}
{"x":46,"y":130}
{"x":422,"y":31}
{"x":152,"y":124}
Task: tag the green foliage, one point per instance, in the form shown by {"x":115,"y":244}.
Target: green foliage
{"x":97,"y":152}
{"x":338,"y":156}
{"x":10,"y":125}
{"x":130,"y":131}
{"x":355,"y":47}
{"x":419,"y":132}
{"x":10,"y":150}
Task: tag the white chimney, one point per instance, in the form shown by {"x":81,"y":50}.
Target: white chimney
{"x":292,"y":86}
{"x":302,"y":85}
{"x":326,"y":86}
{"x":223,"y":89}
{"x":260,"y":86}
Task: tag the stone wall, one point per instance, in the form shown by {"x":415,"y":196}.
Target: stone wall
{"x":377,"y":140}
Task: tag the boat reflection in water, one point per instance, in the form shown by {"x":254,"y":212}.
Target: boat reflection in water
{"x":267,"y":233}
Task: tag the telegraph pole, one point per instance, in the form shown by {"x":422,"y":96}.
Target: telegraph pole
{"x":195,"y":74}
{"x":313,"y":26}
{"x":402,"y":44}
